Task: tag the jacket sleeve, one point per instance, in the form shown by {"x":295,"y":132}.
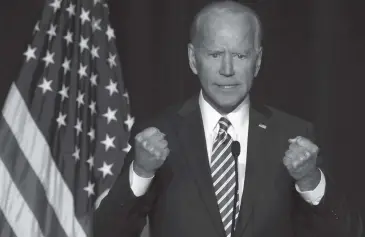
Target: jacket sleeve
{"x":333,"y":216}
{"x":121,"y":213}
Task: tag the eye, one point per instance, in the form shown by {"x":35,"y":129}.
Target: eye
{"x":214,"y":55}
{"x":241,"y":56}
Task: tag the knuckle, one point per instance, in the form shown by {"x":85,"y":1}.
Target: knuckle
{"x":167,"y":152}
{"x":157,"y":153}
{"x":145,"y":131}
{"x":298,"y":139}
{"x":286,"y":160}
{"x":153,"y":129}
{"x":292,"y":146}
{"x":310,"y":144}
{"x":302,"y":139}
{"x":290,"y":169}
{"x":315,"y":149}
{"x":292,"y":154}
{"x":149,"y":131}
{"x":138,"y":137}
{"x":304,"y":142}
{"x":163,"y":143}
{"x":298,"y":162}
{"x":151,"y":148}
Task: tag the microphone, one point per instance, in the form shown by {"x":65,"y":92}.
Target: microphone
{"x":236,"y":150}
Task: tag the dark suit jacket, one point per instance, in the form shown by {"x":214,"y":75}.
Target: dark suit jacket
{"x":181,"y":201}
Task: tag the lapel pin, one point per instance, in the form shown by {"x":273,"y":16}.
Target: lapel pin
{"x":262,"y":126}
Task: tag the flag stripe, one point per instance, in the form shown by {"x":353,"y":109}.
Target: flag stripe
{"x":28,"y":184}
{"x":36,"y":149}
{"x":69,"y":123}
{"x":5,"y":228}
{"x":24,"y":225}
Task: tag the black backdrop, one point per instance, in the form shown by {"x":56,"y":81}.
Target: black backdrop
{"x":314,"y":65}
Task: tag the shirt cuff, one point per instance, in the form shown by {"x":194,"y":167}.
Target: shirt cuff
{"x":314,"y":196}
{"x":139,"y":185}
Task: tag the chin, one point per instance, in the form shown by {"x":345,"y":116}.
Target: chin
{"x":224,"y":103}
{"x":226,"y":106}
{"x":228,"y":100}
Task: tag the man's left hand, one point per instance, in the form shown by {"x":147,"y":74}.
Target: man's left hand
{"x":301,"y":162}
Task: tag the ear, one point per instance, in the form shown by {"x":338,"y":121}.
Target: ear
{"x":258,"y":61}
{"x":192,"y":58}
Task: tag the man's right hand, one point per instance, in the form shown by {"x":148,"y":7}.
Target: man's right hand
{"x":150,"y":152}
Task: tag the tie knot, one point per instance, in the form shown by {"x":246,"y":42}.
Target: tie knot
{"x":224,"y":124}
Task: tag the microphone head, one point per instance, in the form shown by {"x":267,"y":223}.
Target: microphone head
{"x":235,"y":149}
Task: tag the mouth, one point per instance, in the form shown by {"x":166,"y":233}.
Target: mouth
{"x":227,"y":87}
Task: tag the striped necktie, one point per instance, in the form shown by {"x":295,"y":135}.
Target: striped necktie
{"x":224,"y":175}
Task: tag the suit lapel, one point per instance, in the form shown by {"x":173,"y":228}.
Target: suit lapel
{"x":191,"y":135}
{"x":255,"y":167}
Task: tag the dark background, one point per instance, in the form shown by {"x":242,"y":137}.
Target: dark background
{"x":314,"y":65}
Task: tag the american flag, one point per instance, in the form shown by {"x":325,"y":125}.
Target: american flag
{"x":65,"y":125}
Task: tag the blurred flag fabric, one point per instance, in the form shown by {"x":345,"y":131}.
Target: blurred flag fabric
{"x":65,"y":125}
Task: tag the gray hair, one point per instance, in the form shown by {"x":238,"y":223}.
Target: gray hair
{"x":224,"y":7}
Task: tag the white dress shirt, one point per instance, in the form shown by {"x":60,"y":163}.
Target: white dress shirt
{"x":239,"y":119}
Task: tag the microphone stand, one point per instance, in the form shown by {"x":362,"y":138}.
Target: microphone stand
{"x":235,"y":147}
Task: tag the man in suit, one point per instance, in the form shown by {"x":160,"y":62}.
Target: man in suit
{"x":220,"y":165}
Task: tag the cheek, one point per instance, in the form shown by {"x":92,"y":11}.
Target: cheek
{"x":209,"y":66}
{"x":245,"y":71}
{"x":207,"y":73}
{"x":247,"y":65}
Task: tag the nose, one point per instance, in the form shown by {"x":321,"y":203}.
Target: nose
{"x":227,"y":68}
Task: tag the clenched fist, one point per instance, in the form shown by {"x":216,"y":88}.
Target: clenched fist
{"x":301,"y":162}
{"x":150,"y":152}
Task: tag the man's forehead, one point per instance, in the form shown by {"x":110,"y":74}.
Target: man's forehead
{"x":226,"y":27}
{"x":227,"y":16}
{"x":236,"y":19}
{"x":228,"y":22}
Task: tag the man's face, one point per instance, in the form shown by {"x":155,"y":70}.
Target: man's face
{"x":226,"y":60}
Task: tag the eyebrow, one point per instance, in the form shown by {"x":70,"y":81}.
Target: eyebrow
{"x":241,"y":51}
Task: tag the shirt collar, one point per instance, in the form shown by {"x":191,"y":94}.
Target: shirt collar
{"x":211,"y":116}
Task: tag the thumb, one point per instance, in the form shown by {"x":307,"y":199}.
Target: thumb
{"x":292,"y":140}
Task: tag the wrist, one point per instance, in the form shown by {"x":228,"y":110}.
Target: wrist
{"x":141,"y":172}
{"x":310,"y":181}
